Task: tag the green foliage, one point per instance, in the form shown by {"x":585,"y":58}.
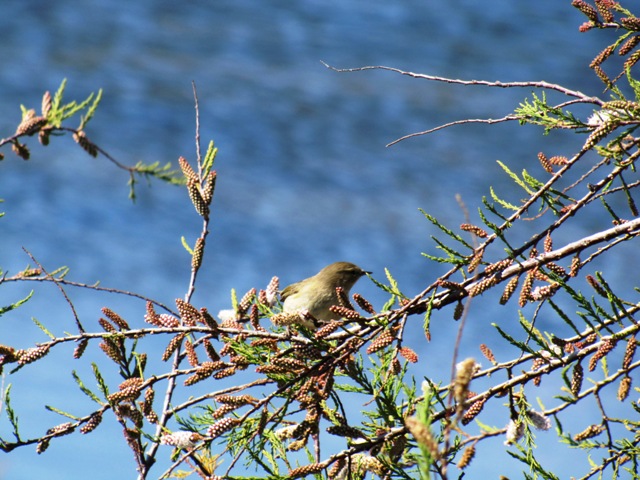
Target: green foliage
{"x":51,"y":122}
{"x":539,"y":112}
{"x":16,"y":304}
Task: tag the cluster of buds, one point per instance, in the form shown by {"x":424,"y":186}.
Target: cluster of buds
{"x":238,"y":400}
{"x":189,"y":315}
{"x":80,"y":137}
{"x":343,"y":299}
{"x":482,"y":286}
{"x":458,"y":311}
{"x":92,"y":423}
{"x":132,"y":437}
{"x":128,"y":410}
{"x":537,"y":364}
{"x":200,"y":191}
{"x":488,"y":354}
{"x":576,"y":379}
{"x":225,"y":372}
{"x":127,"y":391}
{"x":174,"y":344}
{"x":20,"y":150}
{"x":182,"y":440}
{"x":544,"y":161}
{"x":31,"y":354}
{"x":479,"y":232}
{"x":254,"y":318}
{"x":210,"y":351}
{"x":408,"y":354}
{"x":306,"y":470}
{"x":272,"y":369}
{"x":285,"y":433}
{"x":207,"y":319}
{"x":245,"y":303}
{"x":191,"y":354}
{"x":42,"y":446}
{"x":589,"y":339}
{"x":222,"y":411}
{"x":596,"y":286}
{"x":328,"y":328}
{"x":423,"y":436}
{"x":465,"y":371}
{"x":576,"y":264}
{"x":205,"y":370}
{"x":60,"y":430}
{"x":475,"y":260}
{"x":498,"y":266}
{"x":605,"y":122}
{"x":525,"y":291}
{"x":629,"y":45}
{"x":291,"y":364}
{"x":548,"y":243}
{"x":269,"y":296}
{"x":474,"y":409}
{"x":31,"y":123}
{"x":285,"y":319}
{"x":449,"y":285}
{"x":589,"y":432}
{"x":120,"y":322}
{"x":364,"y":304}
{"x":624,"y":387}
{"x":195,"y":194}
{"x":605,"y":347}
{"x":147,"y":406}
{"x":198,"y":254}
{"x":631,"y":23}
{"x":222,"y":426}
{"x":345,"y":312}
{"x":467,"y":456}
{"x":384,"y":339}
{"x":106,"y":326}
{"x":629,"y":352}
{"x":590,"y":12}
{"x":162,"y":321}
{"x":509,"y":290}
{"x":338,"y":468}
{"x":345,"y":431}
{"x":557,"y":269}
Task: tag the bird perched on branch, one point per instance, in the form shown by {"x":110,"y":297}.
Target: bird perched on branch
{"x":314,"y":295}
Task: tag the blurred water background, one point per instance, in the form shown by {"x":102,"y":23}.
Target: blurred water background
{"x":304,"y":177}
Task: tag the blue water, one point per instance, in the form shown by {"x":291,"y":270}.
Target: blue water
{"x":304,"y":175}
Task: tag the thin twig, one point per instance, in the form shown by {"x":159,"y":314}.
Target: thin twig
{"x":64,"y":294}
{"x":62,"y":281}
{"x":529,"y":84}
{"x":197,"y":108}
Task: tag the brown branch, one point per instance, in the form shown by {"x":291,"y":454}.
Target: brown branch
{"x":62,"y":281}
{"x":64,"y":294}
{"x":537,"y":84}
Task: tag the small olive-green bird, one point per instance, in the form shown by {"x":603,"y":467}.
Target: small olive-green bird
{"x":316,"y":294}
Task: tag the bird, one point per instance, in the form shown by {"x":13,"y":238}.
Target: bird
{"x":314,"y":295}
